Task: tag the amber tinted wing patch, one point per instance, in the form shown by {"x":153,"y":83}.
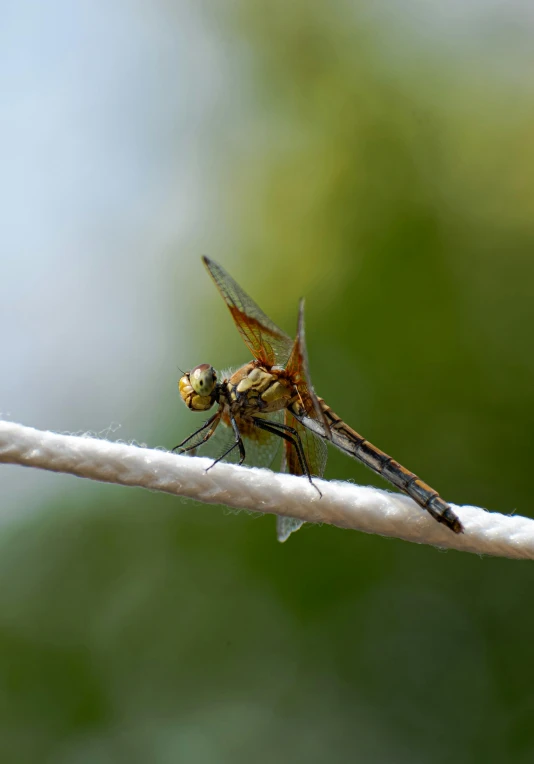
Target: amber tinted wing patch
{"x":266,"y":341}
{"x":297,"y":370}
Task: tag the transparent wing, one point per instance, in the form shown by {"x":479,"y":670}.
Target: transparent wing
{"x":309,"y":409}
{"x":261,"y":447}
{"x":267,"y":343}
{"x":297,"y":367}
{"x":315,"y":450}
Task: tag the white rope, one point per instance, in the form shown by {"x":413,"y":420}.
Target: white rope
{"x":343,"y":504}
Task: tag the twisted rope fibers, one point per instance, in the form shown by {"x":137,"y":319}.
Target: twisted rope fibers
{"x":343,"y":504}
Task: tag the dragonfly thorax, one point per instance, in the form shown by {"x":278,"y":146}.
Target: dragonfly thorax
{"x":254,"y":389}
{"x":198,"y":387}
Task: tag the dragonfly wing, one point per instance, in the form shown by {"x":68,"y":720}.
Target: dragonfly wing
{"x":261,"y":447}
{"x":298,"y":368}
{"x":315,"y":451}
{"x":309,"y":409}
{"x":267,"y":343}
{"x":285,"y":526}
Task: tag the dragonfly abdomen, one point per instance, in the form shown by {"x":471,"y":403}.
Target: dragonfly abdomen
{"x":349,"y":441}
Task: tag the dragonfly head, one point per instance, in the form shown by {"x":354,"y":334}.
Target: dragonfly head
{"x":197,"y":387}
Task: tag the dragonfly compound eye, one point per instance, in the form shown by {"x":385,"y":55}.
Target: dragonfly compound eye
{"x":203,"y":379}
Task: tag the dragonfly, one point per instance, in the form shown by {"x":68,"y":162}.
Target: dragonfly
{"x":270,"y":400}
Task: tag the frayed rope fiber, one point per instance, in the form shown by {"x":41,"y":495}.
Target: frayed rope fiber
{"x":346,"y":505}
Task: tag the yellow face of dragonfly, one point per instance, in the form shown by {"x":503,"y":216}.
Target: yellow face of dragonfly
{"x":196,"y":387}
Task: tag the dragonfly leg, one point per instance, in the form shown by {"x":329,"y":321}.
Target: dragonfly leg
{"x":238,"y":443}
{"x":239,"y":440}
{"x":197,"y":432}
{"x":292,"y":436}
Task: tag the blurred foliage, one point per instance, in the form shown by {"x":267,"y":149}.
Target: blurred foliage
{"x":394,"y":188}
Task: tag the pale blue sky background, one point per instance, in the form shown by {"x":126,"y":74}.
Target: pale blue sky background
{"x":103,"y":110}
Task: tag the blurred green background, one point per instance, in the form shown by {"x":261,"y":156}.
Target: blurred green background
{"x":378,"y":159}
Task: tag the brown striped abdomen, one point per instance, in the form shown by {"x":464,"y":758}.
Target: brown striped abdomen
{"x":349,"y":441}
